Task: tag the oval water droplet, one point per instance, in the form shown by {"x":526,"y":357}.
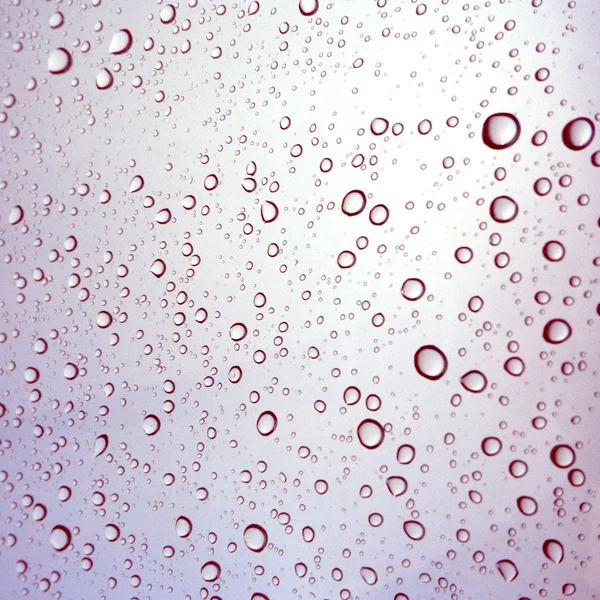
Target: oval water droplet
{"x":557,"y":331}
{"x":269,"y":211}
{"x":16,"y":215}
{"x":151,"y":425}
{"x":430,"y":362}
{"x":255,"y":538}
{"x":100,"y":445}
{"x":369,"y":575}
{"x":414,"y":530}
{"x":210,"y":571}
{"x":354,"y":203}
{"x":379,"y":126}
{"x":527,"y":505}
{"x":158,"y":268}
{"x":266,"y":423}
{"x":308,"y":7}
{"x":474,"y":381}
{"x":346,"y":259}
{"x":137,"y":183}
{"x":396,"y":485}
{"x":104,"y":79}
{"x":183,"y":527}
{"x":405,"y":454}
{"x":578,"y":133}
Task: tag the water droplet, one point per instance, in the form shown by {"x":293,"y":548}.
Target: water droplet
{"x":379,"y":126}
{"x":210,"y":571}
{"x":100,"y":445}
{"x":554,"y":551}
{"x":557,"y":331}
{"x":369,"y":575}
{"x":59,"y":61}
{"x":491,"y":446}
{"x":346,"y":259}
{"x":266,"y":423}
{"x":527,"y":505}
{"x":412,"y":289}
{"x":563,"y":456}
{"x":405,"y":454}
{"x":396,"y":485}
{"x":354,"y":203}
{"x":120,"y":42}
{"x":578,"y":133}
{"x":60,"y":538}
{"x":504,"y":209}
{"x":351,"y":395}
{"x":501,"y":131}
{"x":104,"y":79}
{"x":255,"y":538}
{"x":183,"y":527}
{"x":112,"y":532}
{"x":269,"y":211}
{"x":474,"y":381}
{"x":137,"y":183}
{"x":508,"y":570}
{"x":238,"y":331}
{"x":16,"y":215}
{"x":430,"y":362}
{"x":414,"y":530}
{"x":370,"y":434}
{"x":158,"y":268}
{"x":308,"y":7}
{"x":151,"y":425}
{"x":553,"y":251}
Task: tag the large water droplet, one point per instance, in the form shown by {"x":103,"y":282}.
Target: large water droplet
{"x":210,"y":571}
{"x":501,"y":131}
{"x":100,"y":445}
{"x":504,"y":209}
{"x":414,"y":530}
{"x":60,"y":538}
{"x":563,"y":456}
{"x":183,"y":527}
{"x":120,"y":42}
{"x":557,"y":331}
{"x":255,"y":538}
{"x":308,"y":7}
{"x":507,"y":569}
{"x":266,"y":423}
{"x":354,"y":203}
{"x":151,"y":425}
{"x":370,"y":434}
{"x":412,"y":289}
{"x":430,"y":362}
{"x":578,"y":133}
{"x":396,"y":485}
{"x":474,"y":381}
{"x":554,"y":551}
{"x":59,"y":61}
{"x":369,"y":575}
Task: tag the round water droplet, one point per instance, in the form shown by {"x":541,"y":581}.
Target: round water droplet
{"x":255,"y":538}
{"x":112,"y":532}
{"x":354,"y":203}
{"x":370,"y":434}
{"x":554,"y":551}
{"x":379,"y":214}
{"x":151,"y":425}
{"x":414,"y":530}
{"x":120,"y":42}
{"x":163,"y":216}
{"x":413,"y":289}
{"x":578,"y":133}
{"x":189,"y":202}
{"x":514,"y":366}
{"x":563,"y":456}
{"x":430,"y":362}
{"x":103,"y":319}
{"x":504,"y":209}
{"x":308,"y":7}
{"x":266,"y":423}
{"x":210,"y":571}
{"x":553,"y":251}
{"x":491,"y":446}
{"x":346,"y":259}
{"x":183,"y":527}
{"x":60,"y":538}
{"x":238,"y":331}
{"x":518,"y":468}
{"x":557,"y":331}
{"x":501,"y":131}
{"x":210,"y":182}
{"x":379,"y":126}
{"x":59,"y":61}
